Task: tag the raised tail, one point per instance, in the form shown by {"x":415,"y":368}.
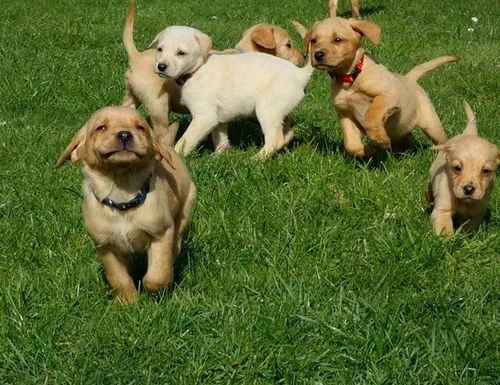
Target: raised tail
{"x":307,"y":70}
{"x":299,"y":27}
{"x":427,"y":67}
{"x":128,"y":31}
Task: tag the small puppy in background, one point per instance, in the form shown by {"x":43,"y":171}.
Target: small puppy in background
{"x":138,"y":198}
{"x":368,"y":98}
{"x":158,"y":95}
{"x":270,"y":39}
{"x":354,"y":6}
{"x":462,"y":179}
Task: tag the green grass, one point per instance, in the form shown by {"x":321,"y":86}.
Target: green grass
{"x":307,"y":269}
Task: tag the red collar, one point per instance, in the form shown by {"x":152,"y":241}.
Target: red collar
{"x":350,"y":78}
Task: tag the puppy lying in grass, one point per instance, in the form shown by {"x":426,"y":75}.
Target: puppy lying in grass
{"x":462,"y":179}
{"x":138,"y":198}
{"x":368,"y":98}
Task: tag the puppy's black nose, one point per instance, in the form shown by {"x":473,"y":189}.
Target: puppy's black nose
{"x":124,"y":136}
{"x":162,"y":67}
{"x":469,"y":189}
{"x":319,"y":55}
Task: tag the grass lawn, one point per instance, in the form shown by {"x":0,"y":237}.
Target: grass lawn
{"x":310,"y":268}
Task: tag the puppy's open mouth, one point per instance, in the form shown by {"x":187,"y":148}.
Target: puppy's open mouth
{"x":108,"y":155}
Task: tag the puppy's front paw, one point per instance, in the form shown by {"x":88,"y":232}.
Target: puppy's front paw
{"x":126,"y":297}
{"x":153,"y":283}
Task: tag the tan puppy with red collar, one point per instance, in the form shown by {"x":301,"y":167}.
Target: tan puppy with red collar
{"x":462,"y":179}
{"x":368,"y":98}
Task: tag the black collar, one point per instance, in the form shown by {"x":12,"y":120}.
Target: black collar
{"x":138,"y":200}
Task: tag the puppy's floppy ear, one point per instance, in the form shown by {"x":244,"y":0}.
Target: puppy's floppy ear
{"x":73,"y":150}
{"x":154,"y":43}
{"x":471,"y":128}
{"x":264,"y":37}
{"x":205,"y":43}
{"x":332,"y":7}
{"x":301,"y":30}
{"x":368,"y":29}
{"x":441,"y":147}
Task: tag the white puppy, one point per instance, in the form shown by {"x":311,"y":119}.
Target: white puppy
{"x":228,"y":87}
{"x":180,"y":50}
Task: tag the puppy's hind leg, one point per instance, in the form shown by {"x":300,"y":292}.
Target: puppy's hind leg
{"x":429,"y":121}
{"x":272,"y":127}
{"x":130,"y":100}
{"x":220,"y":138}
{"x":157,"y":109}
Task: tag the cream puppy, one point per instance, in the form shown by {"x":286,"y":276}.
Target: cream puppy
{"x":228,"y":87}
{"x":138,"y":198}
{"x":462,"y":179}
{"x":158,"y":95}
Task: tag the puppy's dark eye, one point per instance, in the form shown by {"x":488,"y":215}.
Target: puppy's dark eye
{"x":100,"y":128}
{"x":338,"y":40}
{"x":457,"y":168}
{"x":160,"y":49}
{"x":487,"y":171}
{"x":314,"y":41}
{"x":180,"y":53}
{"x":140,"y":128}
{"x":288,"y":45}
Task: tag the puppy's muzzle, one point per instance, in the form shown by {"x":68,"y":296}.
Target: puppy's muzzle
{"x":319,"y":56}
{"x":469,"y":190}
{"x":125,"y":138}
{"x":162,"y":67}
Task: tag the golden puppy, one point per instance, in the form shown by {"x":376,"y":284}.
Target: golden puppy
{"x":369,"y":99}
{"x":138,"y":198}
{"x":271,"y":39}
{"x":462,"y":179}
{"x":144,"y":86}
{"x":354,"y":6}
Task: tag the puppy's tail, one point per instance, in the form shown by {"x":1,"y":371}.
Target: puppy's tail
{"x":307,"y":71}
{"x":299,"y":27}
{"x":128,"y":32}
{"x":425,"y":68}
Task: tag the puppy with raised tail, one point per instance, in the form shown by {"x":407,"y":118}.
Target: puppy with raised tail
{"x":138,"y":198}
{"x":158,"y":95}
{"x":462,"y":179}
{"x":368,"y":98}
{"x":228,"y":87}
